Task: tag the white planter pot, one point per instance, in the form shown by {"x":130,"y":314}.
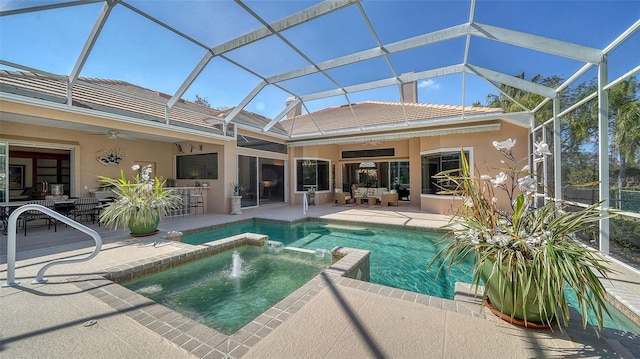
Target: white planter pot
{"x":236,"y":204}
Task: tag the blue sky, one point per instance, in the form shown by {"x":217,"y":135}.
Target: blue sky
{"x":136,"y":50}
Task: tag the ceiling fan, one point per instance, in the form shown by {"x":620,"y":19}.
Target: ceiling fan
{"x":112,"y":134}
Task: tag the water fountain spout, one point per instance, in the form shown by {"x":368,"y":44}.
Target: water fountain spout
{"x":236,"y":269}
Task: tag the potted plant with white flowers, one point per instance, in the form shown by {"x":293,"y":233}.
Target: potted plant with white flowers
{"x":526,"y":255}
{"x":140,"y":203}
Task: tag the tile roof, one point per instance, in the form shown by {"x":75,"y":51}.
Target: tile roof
{"x":125,"y":99}
{"x":373,"y":113}
{"x":121,"y":97}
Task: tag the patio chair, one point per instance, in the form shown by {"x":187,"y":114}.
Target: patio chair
{"x":86,"y":207}
{"x":389,"y":198}
{"x":33,"y":215}
{"x":342,"y":197}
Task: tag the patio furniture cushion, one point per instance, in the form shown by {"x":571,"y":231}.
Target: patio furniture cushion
{"x":342,"y":197}
{"x":387,"y":199}
{"x":375,"y":192}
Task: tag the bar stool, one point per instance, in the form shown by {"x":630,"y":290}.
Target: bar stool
{"x":196,"y":200}
{"x":182,"y":210}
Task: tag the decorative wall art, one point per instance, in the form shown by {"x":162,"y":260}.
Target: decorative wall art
{"x":16,"y":177}
{"x":182,"y":148}
{"x":111,"y":156}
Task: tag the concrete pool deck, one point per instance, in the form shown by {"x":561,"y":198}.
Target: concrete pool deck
{"x":72,"y":317}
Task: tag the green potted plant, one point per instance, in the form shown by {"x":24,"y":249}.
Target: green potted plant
{"x":237,"y":187}
{"x":236,"y":198}
{"x":140,"y":203}
{"x":525,"y":255}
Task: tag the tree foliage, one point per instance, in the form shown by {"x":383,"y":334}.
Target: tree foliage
{"x":202,"y":101}
{"x":579,"y":128}
{"x":505,"y":99}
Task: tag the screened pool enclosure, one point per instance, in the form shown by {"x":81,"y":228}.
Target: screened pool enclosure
{"x":569,"y":67}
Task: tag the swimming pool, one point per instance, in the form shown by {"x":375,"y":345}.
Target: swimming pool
{"x":231,"y":288}
{"x":398,"y":259}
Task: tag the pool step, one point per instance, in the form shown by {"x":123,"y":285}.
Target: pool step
{"x":308,"y":251}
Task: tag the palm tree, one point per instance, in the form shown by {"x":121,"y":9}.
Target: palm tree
{"x":503,"y":99}
{"x":527,"y":99}
{"x":581,"y":126}
{"x":624,"y":110}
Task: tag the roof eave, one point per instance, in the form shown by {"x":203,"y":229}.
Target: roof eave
{"x":399,"y":135}
{"x":108,"y":116}
{"x":414,"y":124}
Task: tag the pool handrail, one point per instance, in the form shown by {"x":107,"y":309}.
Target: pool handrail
{"x":11,"y":243}
{"x":305,"y":203}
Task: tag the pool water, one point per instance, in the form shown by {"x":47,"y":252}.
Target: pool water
{"x":399,"y":257}
{"x":225,"y":296}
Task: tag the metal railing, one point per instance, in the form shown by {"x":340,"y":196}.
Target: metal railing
{"x":11,"y":243}
{"x":305,"y":204}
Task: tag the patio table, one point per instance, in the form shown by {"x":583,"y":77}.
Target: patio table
{"x":62,"y":206}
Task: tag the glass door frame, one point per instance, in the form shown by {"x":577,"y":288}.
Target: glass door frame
{"x":4,"y":171}
{"x":255,"y":180}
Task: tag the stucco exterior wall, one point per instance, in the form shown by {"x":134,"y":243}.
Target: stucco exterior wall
{"x":485,"y":159}
{"x":326,"y":153}
{"x":85,"y":147}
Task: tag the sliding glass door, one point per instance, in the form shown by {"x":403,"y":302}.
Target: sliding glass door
{"x":271,"y":174}
{"x":4,"y":168}
{"x":262,"y":180}
{"x":248,"y":179}
{"x":399,"y":178}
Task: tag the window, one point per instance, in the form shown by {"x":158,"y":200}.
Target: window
{"x":399,"y":173}
{"x":312,"y":173}
{"x":434,"y":163}
{"x":379,"y":152}
{"x":202,"y":166}
{"x":259,"y":144}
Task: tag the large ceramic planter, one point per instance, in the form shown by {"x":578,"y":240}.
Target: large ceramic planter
{"x":141,"y":228}
{"x":236,"y":204}
{"x":500,"y":294}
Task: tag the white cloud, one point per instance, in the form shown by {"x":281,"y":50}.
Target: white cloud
{"x":428,"y":84}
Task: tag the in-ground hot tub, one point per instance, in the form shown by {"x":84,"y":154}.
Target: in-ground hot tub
{"x":230,"y":289}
